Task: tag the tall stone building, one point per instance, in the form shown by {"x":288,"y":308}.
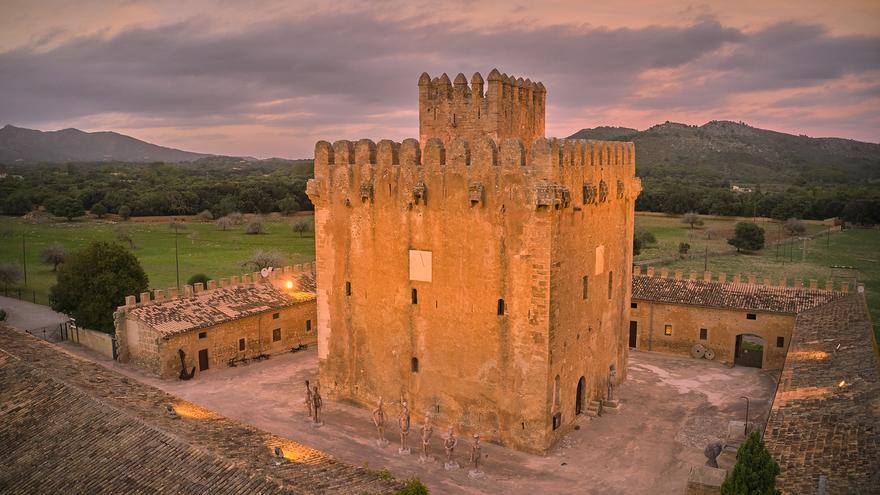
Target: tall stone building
{"x":483,"y":274}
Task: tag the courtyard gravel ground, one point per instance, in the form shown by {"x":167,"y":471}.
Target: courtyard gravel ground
{"x":672,"y":407}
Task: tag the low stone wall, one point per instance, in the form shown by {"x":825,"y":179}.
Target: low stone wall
{"x":100,"y":342}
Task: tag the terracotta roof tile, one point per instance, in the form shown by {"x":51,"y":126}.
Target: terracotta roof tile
{"x":790,"y":300}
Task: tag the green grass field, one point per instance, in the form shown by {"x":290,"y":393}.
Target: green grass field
{"x":203,"y":248}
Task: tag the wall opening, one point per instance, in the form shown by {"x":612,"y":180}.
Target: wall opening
{"x":415,"y":296}
{"x":751,"y":316}
{"x":579,"y":397}
{"x":633,"y":333}
{"x":704,"y":334}
{"x":275,"y":316}
{"x":634,"y":305}
{"x":348,"y":288}
{"x":749,"y":350}
{"x":586,"y":288}
{"x":203,"y":335}
{"x":667,"y":330}
{"x":610,"y":283}
{"x":556,"y":398}
{"x":557,"y":420}
{"x":501,"y":307}
{"x":414,"y":365}
{"x":240,"y":344}
{"x":780,"y":341}
{"x":276,"y":335}
{"x":308,"y":325}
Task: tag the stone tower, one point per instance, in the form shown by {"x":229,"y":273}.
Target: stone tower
{"x":509,"y":108}
{"x":485,"y":284}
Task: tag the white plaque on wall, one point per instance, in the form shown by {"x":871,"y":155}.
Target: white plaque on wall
{"x":420,"y":265}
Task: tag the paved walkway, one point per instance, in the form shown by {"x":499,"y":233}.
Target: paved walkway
{"x":24,"y":315}
{"x":672,"y":407}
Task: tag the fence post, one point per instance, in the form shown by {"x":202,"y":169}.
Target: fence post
{"x":35,"y":296}
{"x":19,"y":293}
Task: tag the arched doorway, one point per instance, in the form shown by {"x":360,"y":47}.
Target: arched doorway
{"x":749,"y":350}
{"x":579,"y":400}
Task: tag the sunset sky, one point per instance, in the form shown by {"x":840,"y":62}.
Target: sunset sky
{"x":269,"y":78}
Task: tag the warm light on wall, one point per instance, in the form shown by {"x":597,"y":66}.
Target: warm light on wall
{"x":289,"y":284}
{"x":191,"y":411}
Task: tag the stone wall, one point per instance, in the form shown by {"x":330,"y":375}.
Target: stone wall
{"x":722,"y":327}
{"x":415,"y":250}
{"x":100,"y":342}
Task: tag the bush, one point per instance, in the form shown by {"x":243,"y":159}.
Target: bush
{"x":236,"y":217}
{"x":205,"y":216}
{"x":99,"y":210}
{"x":692,"y":219}
{"x":124,"y":212}
{"x":54,"y":255}
{"x":637,"y":246}
{"x":254,"y":227}
{"x":66,"y":207}
{"x":288,"y":205}
{"x":747,"y":237}
{"x":645,"y":236}
{"x":413,"y":487}
{"x":302,"y":227}
{"x":10,"y":274}
{"x":793,"y":227}
{"x":264,"y":259}
{"x":683,"y":249}
{"x":2,"y":315}
{"x":198,"y":278}
{"x":754,"y":472}
{"x":223,"y":223}
{"x":94,"y":282}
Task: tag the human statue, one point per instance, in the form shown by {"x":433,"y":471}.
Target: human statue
{"x":427,"y":432}
{"x":379,"y":421}
{"x":476,"y":453}
{"x":403,"y":423}
{"x":612,"y":373}
{"x":712,"y":451}
{"x":308,"y":399}
{"x":317,"y":403}
{"x":449,"y":444}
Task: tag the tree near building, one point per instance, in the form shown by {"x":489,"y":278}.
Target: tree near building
{"x":794,"y":227}
{"x":99,"y":210}
{"x":10,"y":274}
{"x":66,"y":207}
{"x":264,"y":259}
{"x":54,"y":255}
{"x":691,"y":218}
{"x":94,"y":282}
{"x":637,"y":246}
{"x":302,"y":227}
{"x":747,"y":237}
{"x":645,"y":236}
{"x":198,"y":278}
{"x":755,"y":470}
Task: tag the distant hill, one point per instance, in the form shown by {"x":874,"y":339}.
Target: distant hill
{"x":19,"y":145}
{"x":722,"y":151}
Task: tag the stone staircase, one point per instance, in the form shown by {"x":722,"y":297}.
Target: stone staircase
{"x":594,"y":408}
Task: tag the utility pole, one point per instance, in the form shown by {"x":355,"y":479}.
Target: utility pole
{"x":706,"y":261}
{"x":24,"y":256}
{"x":804,"y":252}
{"x":176,"y":257}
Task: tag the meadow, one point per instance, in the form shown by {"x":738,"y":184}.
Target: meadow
{"x":202,"y":248}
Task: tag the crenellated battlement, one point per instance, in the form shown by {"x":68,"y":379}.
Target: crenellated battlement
{"x":508,"y":108}
{"x":559,"y":172}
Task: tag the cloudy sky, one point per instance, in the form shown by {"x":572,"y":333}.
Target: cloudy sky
{"x":269,"y":78}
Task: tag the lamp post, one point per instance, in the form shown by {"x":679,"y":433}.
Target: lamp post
{"x":747,"y":413}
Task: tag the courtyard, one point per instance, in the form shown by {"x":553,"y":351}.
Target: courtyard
{"x":672,"y":407}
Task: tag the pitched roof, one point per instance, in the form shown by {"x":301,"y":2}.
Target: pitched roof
{"x":72,"y":426}
{"x":215,"y":306}
{"x":817,"y":426}
{"x":789,"y":300}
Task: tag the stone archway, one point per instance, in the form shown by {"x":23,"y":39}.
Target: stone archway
{"x":749,"y":350}
{"x":579,"y":398}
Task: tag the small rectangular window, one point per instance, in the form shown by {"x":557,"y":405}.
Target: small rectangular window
{"x":308,"y":325}
{"x":633,"y":305}
{"x":414,"y":365}
{"x":704,"y":334}
{"x":240,"y":344}
{"x":276,"y":335}
{"x":203,"y":335}
{"x":275,"y":316}
{"x":610,"y":283}
{"x":667,"y":330}
{"x":586,"y":283}
{"x":780,"y":341}
{"x":751,"y":316}
{"x":415,"y":296}
{"x":557,"y":420}
{"x":348,"y":288}
{"x":501,"y":307}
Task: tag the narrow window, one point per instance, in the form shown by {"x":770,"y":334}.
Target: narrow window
{"x":308,"y":325}
{"x":667,"y":330}
{"x":557,"y":420}
{"x":203,"y":335}
{"x":501,"y":307}
{"x":556,"y":391}
{"x":586,"y":283}
{"x":415,"y":296}
{"x":275,"y":316}
{"x":240,"y":344}
{"x":633,"y":305}
{"x":414,"y":365}
{"x":610,"y":283}
{"x":276,"y":335}
{"x":704,"y":334}
{"x":780,"y":341}
{"x":751,"y":316}
{"x":348,"y":288}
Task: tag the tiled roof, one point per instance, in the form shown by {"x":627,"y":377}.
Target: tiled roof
{"x":71,"y":426}
{"x":215,"y":306}
{"x":790,"y":300}
{"x":817,"y":426}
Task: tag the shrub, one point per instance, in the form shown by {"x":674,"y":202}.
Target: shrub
{"x":54,"y":255}
{"x":66,"y":207}
{"x":692,"y":219}
{"x":754,"y":472}
{"x":384,"y":474}
{"x":264,"y":259}
{"x":637,"y":246}
{"x":288,"y":205}
{"x":236,"y":217}
{"x":124,"y":212}
{"x":198,"y":278}
{"x":254,"y":227}
{"x":645,"y":236}
{"x":99,"y":210}
{"x":413,"y":487}
{"x":793,"y":227}
{"x":2,"y":315}
{"x":224,"y":223}
{"x":747,"y":237}
{"x":302,"y":227}
{"x":10,"y":274}
{"x":683,"y":249}
{"x":94,"y":282}
{"x":124,"y":235}
{"x":205,"y":216}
